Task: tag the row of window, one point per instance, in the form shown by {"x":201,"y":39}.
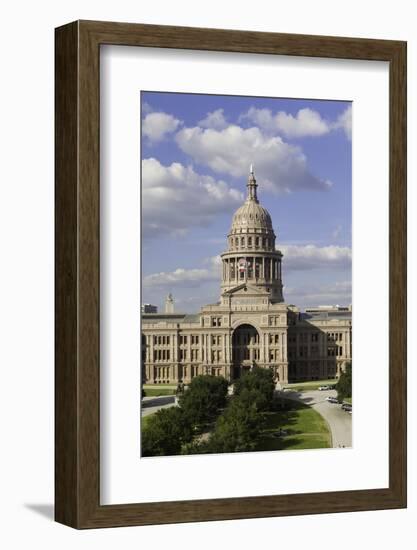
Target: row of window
{"x":165,"y":373}
{"x":335,"y":336}
{"x":161,"y":355}
{"x":245,"y":339}
{"x":216,"y":340}
{"x":314,"y":337}
{"x":253,"y":266}
{"x":274,"y":321}
{"x":161,"y":340}
{"x":244,"y":354}
{"x":248,"y":241}
{"x":335,"y":351}
{"x":216,"y":356}
{"x":274,"y":338}
{"x":274,"y":355}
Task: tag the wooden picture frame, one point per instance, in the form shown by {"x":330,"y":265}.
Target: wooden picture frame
{"x":77,"y":404}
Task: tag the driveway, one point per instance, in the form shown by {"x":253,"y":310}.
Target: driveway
{"x":152,"y":404}
{"x":340,"y":422}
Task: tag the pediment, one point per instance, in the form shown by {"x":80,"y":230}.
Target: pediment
{"x":244,"y":290}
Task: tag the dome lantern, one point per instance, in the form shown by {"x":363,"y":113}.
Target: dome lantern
{"x":252,"y":186}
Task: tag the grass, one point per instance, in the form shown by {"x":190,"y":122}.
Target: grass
{"x":347,"y":400}
{"x":313,"y":385}
{"x":159,"y":386}
{"x":154,"y":392}
{"x":306,"y":429}
{"x":145,"y":420}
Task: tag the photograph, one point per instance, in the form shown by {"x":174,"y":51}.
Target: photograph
{"x":246,"y":276}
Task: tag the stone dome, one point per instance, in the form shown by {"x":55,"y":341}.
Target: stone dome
{"x":251,"y":216}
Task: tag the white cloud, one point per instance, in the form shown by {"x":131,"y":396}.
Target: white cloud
{"x":155,"y":126}
{"x":296,"y":258}
{"x":214,"y":120}
{"x":186,"y":277}
{"x":146,"y":108}
{"x":303,"y":258}
{"x":175,"y":198}
{"x":280,"y":167}
{"x":344,"y":121}
{"x":306,"y":122}
{"x":338,"y":293}
{"x":179,"y":277}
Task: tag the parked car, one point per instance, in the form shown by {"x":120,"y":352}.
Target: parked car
{"x":324,"y":388}
{"x":332,"y":399}
{"x":347,"y":407}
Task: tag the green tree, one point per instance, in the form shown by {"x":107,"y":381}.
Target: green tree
{"x":237,"y":429}
{"x":165,"y":433}
{"x":259,"y":381}
{"x":344,"y":384}
{"x":204,"y":398}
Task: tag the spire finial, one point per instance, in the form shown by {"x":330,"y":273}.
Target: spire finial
{"x":252,"y":185}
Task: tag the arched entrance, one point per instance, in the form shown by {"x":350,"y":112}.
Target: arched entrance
{"x":245,"y":349}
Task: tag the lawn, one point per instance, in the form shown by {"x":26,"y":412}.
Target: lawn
{"x":347,"y":400}
{"x":313,"y":385}
{"x":145,"y":420}
{"x":154,"y":392}
{"x":305,"y":427}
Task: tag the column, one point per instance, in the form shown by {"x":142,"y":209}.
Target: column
{"x":151,"y":361}
{"x":173,"y":352}
{"x":267,"y":348}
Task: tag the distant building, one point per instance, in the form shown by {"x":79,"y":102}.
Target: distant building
{"x":251,"y":325}
{"x":330,"y":309}
{"x":169,"y":304}
{"x":149,"y":308}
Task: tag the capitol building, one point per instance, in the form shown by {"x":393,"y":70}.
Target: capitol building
{"x":251,"y":325}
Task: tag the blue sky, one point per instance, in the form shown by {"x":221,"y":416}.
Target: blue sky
{"x":196,"y":152}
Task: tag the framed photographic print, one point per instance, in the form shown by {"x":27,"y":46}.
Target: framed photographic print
{"x":230,"y":274}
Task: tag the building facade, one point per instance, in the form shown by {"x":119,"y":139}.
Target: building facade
{"x":251,"y":325}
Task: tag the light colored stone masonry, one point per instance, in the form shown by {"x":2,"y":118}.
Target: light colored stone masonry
{"x":251,"y":325}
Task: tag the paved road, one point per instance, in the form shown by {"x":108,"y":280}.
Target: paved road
{"x":340,"y":422}
{"x":152,"y":404}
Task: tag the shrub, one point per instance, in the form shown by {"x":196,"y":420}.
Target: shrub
{"x":238,"y":427}
{"x":344,"y":385}
{"x":165,"y":433}
{"x":259,"y":381}
{"x":203,"y":399}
